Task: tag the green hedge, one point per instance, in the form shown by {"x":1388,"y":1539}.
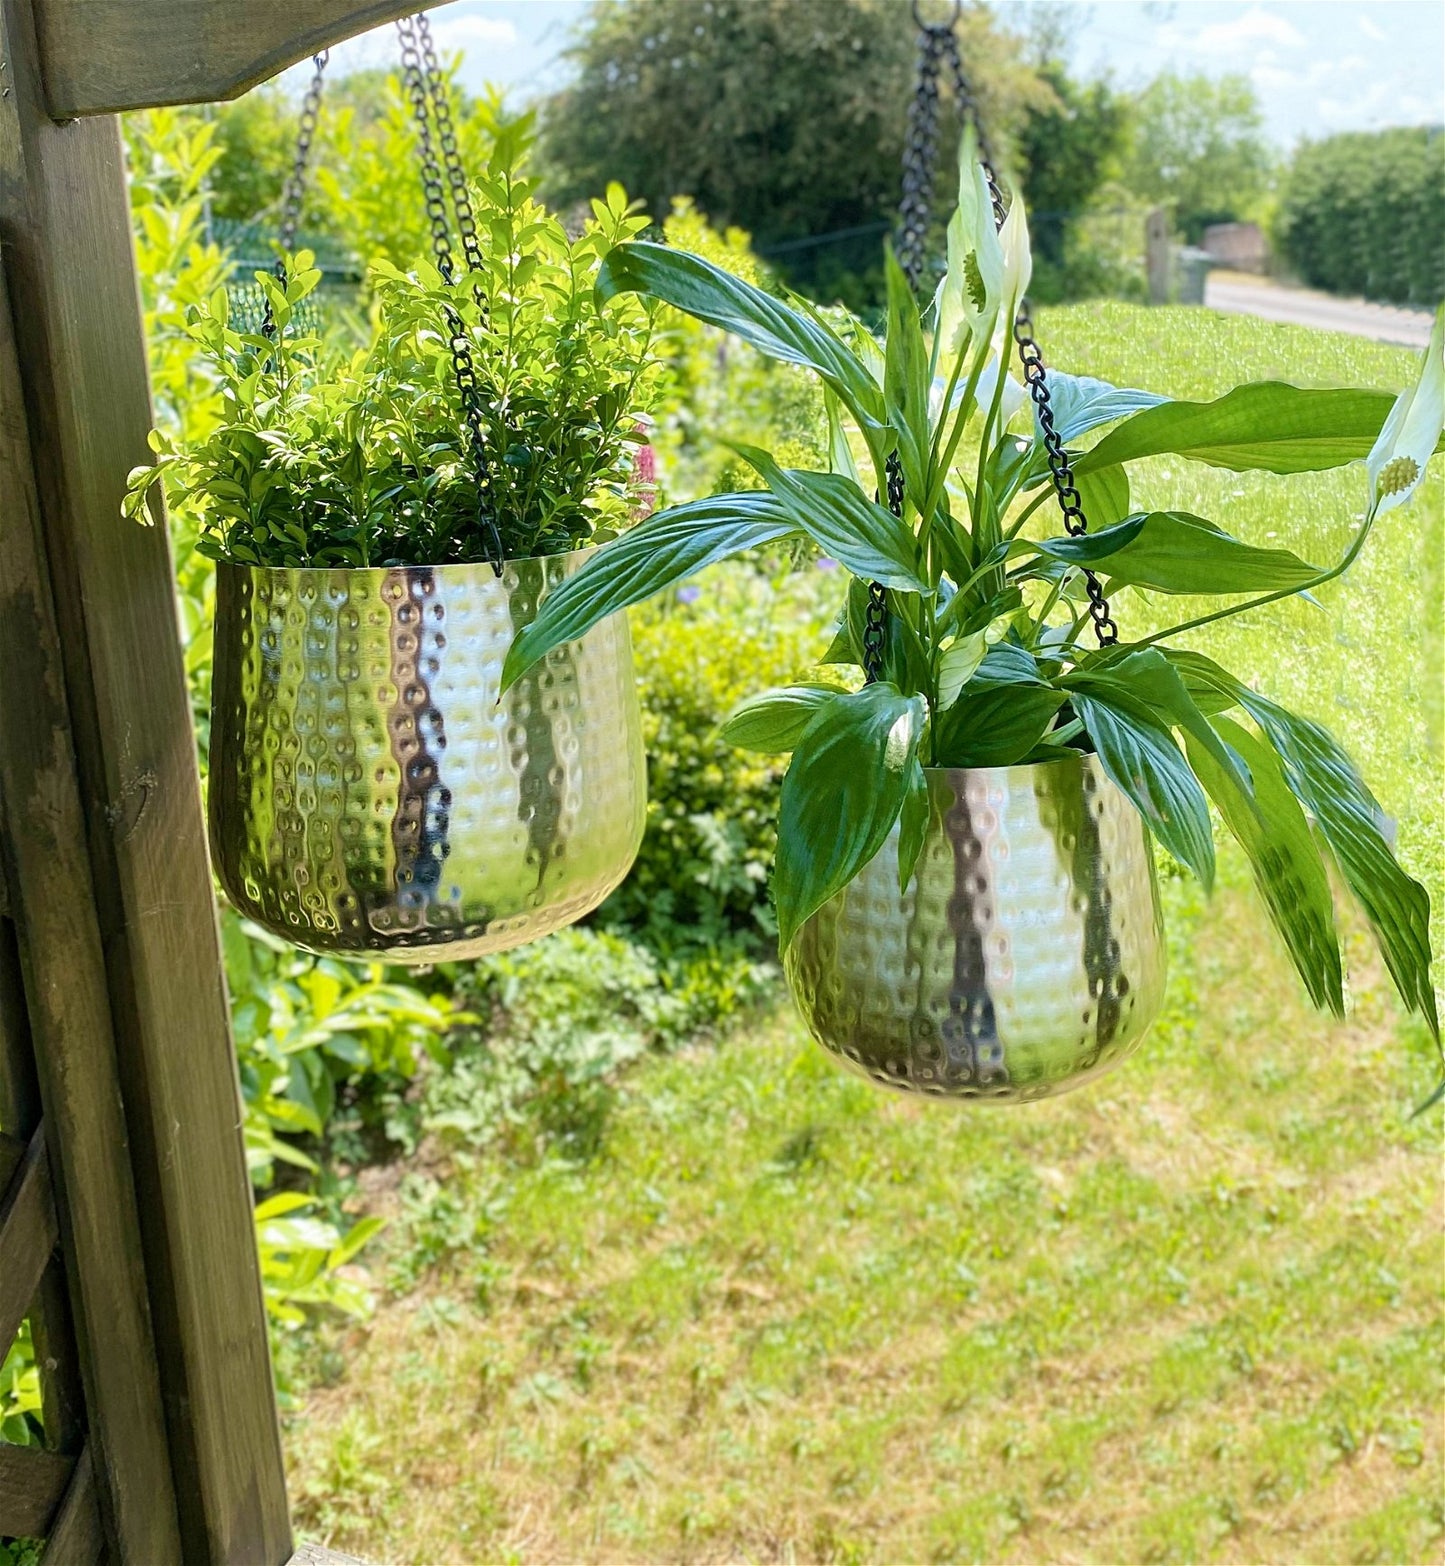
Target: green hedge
{"x":1364,"y":213}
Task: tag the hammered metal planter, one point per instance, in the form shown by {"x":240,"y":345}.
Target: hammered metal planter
{"x":1026,"y":956}
{"x":370,"y":797}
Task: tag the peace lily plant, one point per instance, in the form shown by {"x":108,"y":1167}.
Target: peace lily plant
{"x":987,"y":660}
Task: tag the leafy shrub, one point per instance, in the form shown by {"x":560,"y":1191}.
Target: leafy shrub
{"x":699,"y":885}
{"x":323,"y":459}
{"x":1364,"y":213}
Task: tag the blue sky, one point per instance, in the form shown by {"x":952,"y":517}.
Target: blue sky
{"x":1318,"y":65}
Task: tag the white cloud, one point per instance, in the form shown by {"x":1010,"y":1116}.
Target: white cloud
{"x":1245,"y":35}
{"x":1372,"y":29}
{"x":473,"y":32}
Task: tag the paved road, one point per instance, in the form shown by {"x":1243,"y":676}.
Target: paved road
{"x":1238,"y":294}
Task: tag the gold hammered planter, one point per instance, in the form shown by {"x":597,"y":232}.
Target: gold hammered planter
{"x":369,"y":795}
{"x":1026,"y":956}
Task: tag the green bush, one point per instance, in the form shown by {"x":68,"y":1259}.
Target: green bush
{"x":1364,"y":213}
{"x":700,"y":882}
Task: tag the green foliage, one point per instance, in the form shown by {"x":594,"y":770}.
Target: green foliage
{"x":699,"y":885}
{"x":1066,"y":151}
{"x":785,"y":117}
{"x":1364,"y":213}
{"x":1198,"y":146}
{"x":722,"y":390}
{"x":322,"y":459}
{"x":958,"y":566}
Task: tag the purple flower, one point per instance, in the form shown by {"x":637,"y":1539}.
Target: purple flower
{"x":827,"y":563}
{"x":688,"y":595}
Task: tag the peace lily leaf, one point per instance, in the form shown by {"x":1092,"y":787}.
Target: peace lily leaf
{"x":1138,"y":752}
{"x":1080,"y":403}
{"x":957,"y":666}
{"x":866,"y":537}
{"x":1266,"y":424}
{"x":840,"y":453}
{"x":1348,"y":817}
{"x":704,"y":291}
{"x":668,"y":547}
{"x":856,"y":754}
{"x":905,"y":381}
{"x":994,"y":727}
{"x":913,"y":820}
{"x":773,"y":722}
{"x":1147,"y":676}
{"x":1284,"y":856}
{"x":1173,"y":552}
{"x":1007,"y":663}
{"x":1104,"y":496}
{"x":1396,"y":462}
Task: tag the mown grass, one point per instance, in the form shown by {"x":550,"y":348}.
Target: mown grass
{"x":1191,"y":1313}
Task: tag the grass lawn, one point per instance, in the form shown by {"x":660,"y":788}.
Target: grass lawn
{"x":1190,"y":1313}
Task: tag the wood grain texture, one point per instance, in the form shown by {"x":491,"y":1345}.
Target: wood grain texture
{"x":27,"y":1235}
{"x":67,"y":1014}
{"x":32,"y":1486}
{"x":102,"y":56}
{"x":65,"y":225}
{"x":76,"y":1538}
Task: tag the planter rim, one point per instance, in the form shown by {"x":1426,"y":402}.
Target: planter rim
{"x":450,"y":565}
{"x":1077,"y":759}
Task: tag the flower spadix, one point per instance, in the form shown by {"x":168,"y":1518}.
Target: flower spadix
{"x":1396,"y":463}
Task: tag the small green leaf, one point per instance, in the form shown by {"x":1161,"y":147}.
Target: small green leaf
{"x":913,"y":822}
{"x":665,"y":549}
{"x":1266,"y":424}
{"x":1138,"y":752}
{"x":773,"y":721}
{"x":957,"y":666}
{"x":994,"y":727}
{"x":905,"y":381}
{"x":1272,"y":830}
{"x":849,"y":776}
{"x":866,"y":537}
{"x":1174,"y":552}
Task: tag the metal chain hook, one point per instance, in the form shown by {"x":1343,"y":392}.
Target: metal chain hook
{"x":938,"y":45}
{"x":294,"y":190}
{"x":426,"y":90}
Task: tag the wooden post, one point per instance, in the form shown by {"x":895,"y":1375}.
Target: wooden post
{"x":106,"y":868}
{"x":1157,"y":256}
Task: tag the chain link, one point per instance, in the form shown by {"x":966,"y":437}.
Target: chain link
{"x":938,"y":47}
{"x":875,"y":616}
{"x":426,"y":88}
{"x":294,"y":190}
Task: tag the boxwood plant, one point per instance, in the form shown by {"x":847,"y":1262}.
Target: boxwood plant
{"x":988,"y":659}
{"x":324,"y":457}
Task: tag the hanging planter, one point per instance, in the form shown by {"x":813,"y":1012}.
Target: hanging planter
{"x":369,"y":792}
{"x":1025,"y":956}
{"x":383,"y":526}
{"x":964,"y":879}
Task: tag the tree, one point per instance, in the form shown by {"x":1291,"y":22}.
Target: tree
{"x":1067,"y":150}
{"x":785,"y":117}
{"x":1198,"y":146}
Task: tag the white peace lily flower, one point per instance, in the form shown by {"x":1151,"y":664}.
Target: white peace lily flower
{"x":972,"y":289}
{"x":1018,"y":261}
{"x":1396,"y":463}
{"x":1013,"y":398}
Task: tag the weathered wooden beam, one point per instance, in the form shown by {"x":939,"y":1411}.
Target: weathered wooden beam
{"x":66,"y":1012}
{"x":32,"y":1485}
{"x":27,"y":1235}
{"x":101,"y":56}
{"x":65,"y":228}
{"x":75,"y":1537}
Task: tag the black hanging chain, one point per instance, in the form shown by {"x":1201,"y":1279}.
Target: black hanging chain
{"x":294,"y":190}
{"x":937,"y":48}
{"x":426,"y":88}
